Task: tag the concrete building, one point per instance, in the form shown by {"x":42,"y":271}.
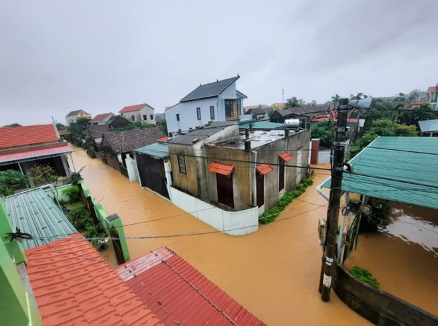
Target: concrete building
{"x":143,"y":113}
{"x":73,"y":116}
{"x":218,"y":101}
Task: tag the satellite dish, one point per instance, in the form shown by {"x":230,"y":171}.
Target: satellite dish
{"x":362,"y":105}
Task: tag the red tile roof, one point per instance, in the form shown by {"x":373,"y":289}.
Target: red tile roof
{"x":264,"y":169}
{"x":27,"y":135}
{"x":16,"y":155}
{"x":133,"y":108}
{"x":285,"y":156}
{"x":221,"y":168}
{"x":163,"y":139}
{"x":73,"y":285}
{"x":433,"y":89}
{"x":100,"y":117}
{"x":179,"y":294}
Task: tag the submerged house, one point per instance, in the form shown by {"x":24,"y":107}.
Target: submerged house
{"x":117,"y":147}
{"x":238,"y":169}
{"x":23,"y":147}
{"x":218,"y":101}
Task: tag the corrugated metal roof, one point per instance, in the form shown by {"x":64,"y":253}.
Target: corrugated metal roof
{"x":412,"y":161}
{"x":428,"y":126}
{"x":17,"y":155}
{"x":261,"y":125}
{"x":286,"y":156}
{"x":73,"y":285}
{"x":180,"y":295}
{"x":201,"y":133}
{"x":34,"y":212}
{"x":221,"y":168}
{"x":210,"y":89}
{"x":158,"y":149}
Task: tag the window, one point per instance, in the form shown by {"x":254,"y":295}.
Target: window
{"x":281,"y":176}
{"x":212,"y":112}
{"x":198,"y":113}
{"x":177,"y":117}
{"x":182,"y":163}
{"x":152,"y":117}
{"x":133,"y":118}
{"x":145,"y":117}
{"x":225,"y":193}
{"x":228,"y":108}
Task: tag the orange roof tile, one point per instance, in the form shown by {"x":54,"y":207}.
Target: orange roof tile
{"x":73,"y":285}
{"x":27,"y":135}
{"x":264,"y":169}
{"x":285,"y":156}
{"x":100,"y":117}
{"x":163,"y":139}
{"x":221,"y":168}
{"x":133,"y":108}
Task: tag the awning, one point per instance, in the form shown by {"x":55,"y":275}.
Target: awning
{"x":264,"y":169}
{"x":48,"y":151}
{"x":286,"y":157}
{"x":221,"y":168}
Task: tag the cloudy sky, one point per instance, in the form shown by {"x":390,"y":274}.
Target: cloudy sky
{"x":99,"y":56}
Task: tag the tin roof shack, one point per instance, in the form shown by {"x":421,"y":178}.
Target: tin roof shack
{"x":304,"y":113}
{"x":255,"y":168}
{"x":186,"y":152}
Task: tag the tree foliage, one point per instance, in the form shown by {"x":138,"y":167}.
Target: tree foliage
{"x":10,"y":178}
{"x":13,"y":125}
{"x":42,"y":174}
{"x":79,"y":130}
{"x":324,"y":132}
{"x":135,"y":125}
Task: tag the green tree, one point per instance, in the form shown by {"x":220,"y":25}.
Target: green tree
{"x":60,"y":126}
{"x":10,"y":178}
{"x":294,"y":102}
{"x":42,"y":174}
{"x":79,"y":131}
{"x":13,"y":125}
{"x":324,"y":132}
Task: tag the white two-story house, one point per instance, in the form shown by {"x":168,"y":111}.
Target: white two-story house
{"x":139,"y":113}
{"x":218,"y":101}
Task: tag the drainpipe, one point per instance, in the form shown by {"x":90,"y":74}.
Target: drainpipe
{"x":318,"y":189}
{"x":341,"y":230}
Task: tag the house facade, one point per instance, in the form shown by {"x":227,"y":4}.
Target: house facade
{"x":218,"y":101}
{"x":73,"y":116}
{"x":23,"y":147}
{"x":143,"y":113}
{"x":237,"y":170}
{"x":304,"y":113}
{"x":432,"y":95}
{"x":101,"y":119}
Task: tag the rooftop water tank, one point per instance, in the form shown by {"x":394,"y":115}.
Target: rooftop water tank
{"x":292,"y":123}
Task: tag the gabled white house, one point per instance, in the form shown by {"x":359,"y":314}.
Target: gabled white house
{"x":139,"y":113}
{"x":73,"y":116}
{"x":218,"y":101}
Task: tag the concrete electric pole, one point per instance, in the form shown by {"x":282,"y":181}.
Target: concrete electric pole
{"x":334,"y":200}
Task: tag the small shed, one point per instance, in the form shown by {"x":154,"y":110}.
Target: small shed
{"x":429,"y":128}
{"x":152,"y":165}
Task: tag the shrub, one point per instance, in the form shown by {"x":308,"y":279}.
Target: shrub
{"x":307,"y":182}
{"x":78,"y":217}
{"x":72,"y":193}
{"x":364,"y":276}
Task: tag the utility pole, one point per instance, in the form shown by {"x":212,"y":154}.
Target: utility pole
{"x":334,"y":200}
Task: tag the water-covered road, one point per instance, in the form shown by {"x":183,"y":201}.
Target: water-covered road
{"x":273,"y":272}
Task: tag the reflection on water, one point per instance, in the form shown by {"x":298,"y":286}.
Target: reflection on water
{"x":414,"y":224}
{"x":402,"y":256}
{"x":274,"y":272}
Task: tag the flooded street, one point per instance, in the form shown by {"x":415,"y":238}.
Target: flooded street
{"x":273,"y":272}
{"x":403,"y":256}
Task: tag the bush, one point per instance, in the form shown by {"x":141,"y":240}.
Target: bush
{"x":78,"y":217}
{"x":364,"y":276}
{"x":307,"y":182}
{"x":72,"y":193}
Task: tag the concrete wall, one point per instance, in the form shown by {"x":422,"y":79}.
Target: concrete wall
{"x":232,"y":223}
{"x":376,"y":305}
{"x":138,"y":115}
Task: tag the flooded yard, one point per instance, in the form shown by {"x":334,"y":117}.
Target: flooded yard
{"x":274,"y":272}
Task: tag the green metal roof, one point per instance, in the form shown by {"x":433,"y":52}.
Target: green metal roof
{"x":261,"y":125}
{"x":412,"y":161}
{"x":157,"y":149}
{"x":35,"y":213}
{"x":428,"y":126}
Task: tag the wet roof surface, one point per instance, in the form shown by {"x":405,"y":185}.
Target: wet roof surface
{"x":73,"y":285}
{"x":179,"y":294}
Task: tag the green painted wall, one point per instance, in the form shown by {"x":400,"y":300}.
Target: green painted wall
{"x":14,"y":300}
{"x":117,"y":224}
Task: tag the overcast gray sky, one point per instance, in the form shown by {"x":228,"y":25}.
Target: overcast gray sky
{"x":99,"y":56}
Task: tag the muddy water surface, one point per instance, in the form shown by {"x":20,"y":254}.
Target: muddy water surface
{"x":403,"y":255}
{"x":273,"y":272}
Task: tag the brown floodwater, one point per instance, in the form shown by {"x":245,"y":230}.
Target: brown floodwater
{"x":403,"y":255}
{"x":274,"y":272}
